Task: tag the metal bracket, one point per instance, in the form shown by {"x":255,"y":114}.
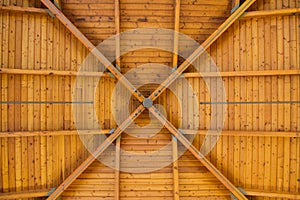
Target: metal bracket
{"x":112,"y":131}
{"x":57,"y":4}
{"x":50,"y":13}
{"x":174,"y":138}
{"x":235,"y":8}
{"x":118,"y":139}
{"x":242,"y":191}
{"x":174,"y":69}
{"x":50,"y":192}
{"x":181,"y":131}
{"x":118,"y":67}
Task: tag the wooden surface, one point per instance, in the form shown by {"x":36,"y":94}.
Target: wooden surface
{"x":258,"y":59}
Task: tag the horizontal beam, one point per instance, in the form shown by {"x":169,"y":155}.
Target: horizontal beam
{"x":186,"y":131}
{"x":51,"y":133}
{"x":265,"y":13}
{"x":24,"y":194}
{"x":241,"y":73}
{"x":246,"y":133}
{"x":44,"y":192}
{"x":51,"y":72}
{"x":24,"y":9}
{"x":186,"y":75}
{"x":260,"y":193}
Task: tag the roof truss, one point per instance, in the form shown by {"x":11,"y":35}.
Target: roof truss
{"x":153,"y":96}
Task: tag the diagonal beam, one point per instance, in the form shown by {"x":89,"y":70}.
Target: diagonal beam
{"x":68,"y":181}
{"x":235,"y":191}
{"x":200,"y":50}
{"x":80,"y":36}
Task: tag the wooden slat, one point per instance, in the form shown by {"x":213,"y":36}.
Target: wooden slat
{"x":117,"y":28}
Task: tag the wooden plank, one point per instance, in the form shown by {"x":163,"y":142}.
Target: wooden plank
{"x":175,"y":169}
{"x":11,"y":97}
{"x":68,"y":181}
{"x":262,"y":193}
{"x":176,"y":30}
{"x":92,"y":49}
{"x":117,"y":168}
{"x":24,"y":194}
{"x":287,"y":134}
{"x":266,"y":13}
{"x":186,"y":75}
{"x":117,"y":28}
{"x":18,"y":144}
{"x":198,"y":154}
{"x":51,"y":133}
{"x":24,"y":9}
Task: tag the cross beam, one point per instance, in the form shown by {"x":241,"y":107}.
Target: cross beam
{"x":200,"y":50}
{"x":237,"y":193}
{"x":68,"y":181}
{"x":81,"y":37}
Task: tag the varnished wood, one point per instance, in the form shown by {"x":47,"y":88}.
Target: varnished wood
{"x":68,"y":181}
{"x":198,"y":154}
{"x":92,"y":49}
{"x":202,"y":48}
{"x":24,"y":9}
{"x":24,"y":194}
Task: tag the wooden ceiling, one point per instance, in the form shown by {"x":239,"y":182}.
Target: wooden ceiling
{"x":257,"y":155}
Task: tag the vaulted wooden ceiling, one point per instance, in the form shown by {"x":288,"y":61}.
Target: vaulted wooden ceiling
{"x":45,"y":44}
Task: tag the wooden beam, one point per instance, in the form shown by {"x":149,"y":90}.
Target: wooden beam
{"x":24,"y":194}
{"x":117,"y":28}
{"x":235,"y":191}
{"x":117,"y":169}
{"x":51,"y":133}
{"x":241,"y":73}
{"x":187,"y":131}
{"x":24,"y":9}
{"x":265,"y":13}
{"x":176,"y":31}
{"x":44,"y":192}
{"x":200,"y":50}
{"x":68,"y":181}
{"x":186,"y":75}
{"x":174,"y":140}
{"x":259,"y":193}
{"x":175,"y":168}
{"x":246,"y":133}
{"x":51,"y":72}
{"x":71,"y":27}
